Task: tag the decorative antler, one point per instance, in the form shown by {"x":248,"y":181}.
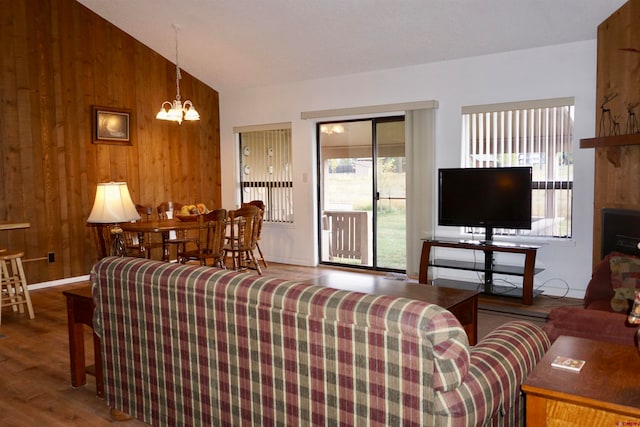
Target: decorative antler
{"x":608,"y":97}
{"x":632,"y":123}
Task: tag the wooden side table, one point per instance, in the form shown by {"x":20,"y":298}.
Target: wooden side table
{"x":606,"y":392}
{"x":80,"y":309}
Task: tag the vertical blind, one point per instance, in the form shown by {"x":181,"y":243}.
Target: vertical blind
{"x":534,"y":133}
{"x":265,"y":171}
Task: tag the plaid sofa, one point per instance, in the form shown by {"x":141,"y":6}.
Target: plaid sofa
{"x":198,"y":346}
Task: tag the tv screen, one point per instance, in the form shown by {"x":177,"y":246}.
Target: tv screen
{"x":485,"y":197}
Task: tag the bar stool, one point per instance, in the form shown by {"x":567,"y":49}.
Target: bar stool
{"x":13,"y":283}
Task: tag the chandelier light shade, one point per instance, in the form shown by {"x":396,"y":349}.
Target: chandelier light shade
{"x":113,"y":205}
{"x":177,"y":111}
{"x":331,"y":129}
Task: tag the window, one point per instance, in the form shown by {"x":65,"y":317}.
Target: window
{"x":265,"y":169}
{"x":534,"y":133}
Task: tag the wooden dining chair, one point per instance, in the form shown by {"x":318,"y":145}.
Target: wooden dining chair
{"x":165,"y":207}
{"x":260,"y":205}
{"x":131,"y":239}
{"x":210,"y":241}
{"x":179,"y":238}
{"x":242,"y":238}
{"x":102,"y":239}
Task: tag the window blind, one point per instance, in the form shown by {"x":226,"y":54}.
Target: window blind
{"x":265,"y":172}
{"x":537,"y":134}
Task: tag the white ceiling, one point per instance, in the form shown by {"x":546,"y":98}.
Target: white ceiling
{"x":231,"y":44}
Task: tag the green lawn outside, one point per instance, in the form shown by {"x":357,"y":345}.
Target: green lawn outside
{"x":353,"y":192}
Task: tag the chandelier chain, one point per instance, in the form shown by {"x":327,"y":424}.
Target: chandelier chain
{"x":177,"y":111}
{"x":178,"y":75}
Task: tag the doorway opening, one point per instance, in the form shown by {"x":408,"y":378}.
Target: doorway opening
{"x":362,"y":193}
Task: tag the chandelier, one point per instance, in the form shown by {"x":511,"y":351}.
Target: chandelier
{"x":331,"y":129}
{"x":177,"y":111}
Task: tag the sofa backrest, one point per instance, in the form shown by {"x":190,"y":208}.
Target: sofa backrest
{"x":186,"y":345}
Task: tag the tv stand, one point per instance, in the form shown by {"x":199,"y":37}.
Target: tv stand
{"x":488,"y":267}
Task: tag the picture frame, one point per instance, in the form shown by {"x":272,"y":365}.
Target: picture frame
{"x":111,"y":125}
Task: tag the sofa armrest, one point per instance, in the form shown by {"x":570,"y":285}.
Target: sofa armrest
{"x":499,"y":365}
{"x":599,"y":287}
{"x":593,"y":324}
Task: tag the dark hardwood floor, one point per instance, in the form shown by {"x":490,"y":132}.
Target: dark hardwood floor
{"x":34,"y":361}
{"x":34,"y":358}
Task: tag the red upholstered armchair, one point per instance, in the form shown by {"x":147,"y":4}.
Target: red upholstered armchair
{"x":596,"y":319}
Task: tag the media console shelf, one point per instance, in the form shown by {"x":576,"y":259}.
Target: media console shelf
{"x":487,"y":266}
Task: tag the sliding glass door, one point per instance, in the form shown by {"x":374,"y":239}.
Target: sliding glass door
{"x":390,"y":195}
{"x":362,"y":196}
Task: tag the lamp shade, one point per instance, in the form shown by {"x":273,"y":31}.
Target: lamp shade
{"x":113,"y":204}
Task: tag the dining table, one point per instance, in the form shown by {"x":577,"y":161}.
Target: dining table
{"x":162,"y":226}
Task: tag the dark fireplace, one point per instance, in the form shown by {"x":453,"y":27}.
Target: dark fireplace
{"x":620,"y":231}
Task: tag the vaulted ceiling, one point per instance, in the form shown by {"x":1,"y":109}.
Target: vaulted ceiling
{"x":232,"y":44}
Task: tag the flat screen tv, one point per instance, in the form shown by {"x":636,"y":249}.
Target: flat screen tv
{"x":485,"y":197}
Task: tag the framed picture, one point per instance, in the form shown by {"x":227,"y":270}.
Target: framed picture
{"x":111,"y":126}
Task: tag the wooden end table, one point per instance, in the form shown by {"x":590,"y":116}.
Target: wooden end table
{"x":606,"y":391}
{"x":80,"y":309}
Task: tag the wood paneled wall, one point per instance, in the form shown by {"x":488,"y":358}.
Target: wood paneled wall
{"x":58,"y":60}
{"x":617,"y":184}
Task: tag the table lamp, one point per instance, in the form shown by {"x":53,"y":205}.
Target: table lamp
{"x":113,"y":205}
